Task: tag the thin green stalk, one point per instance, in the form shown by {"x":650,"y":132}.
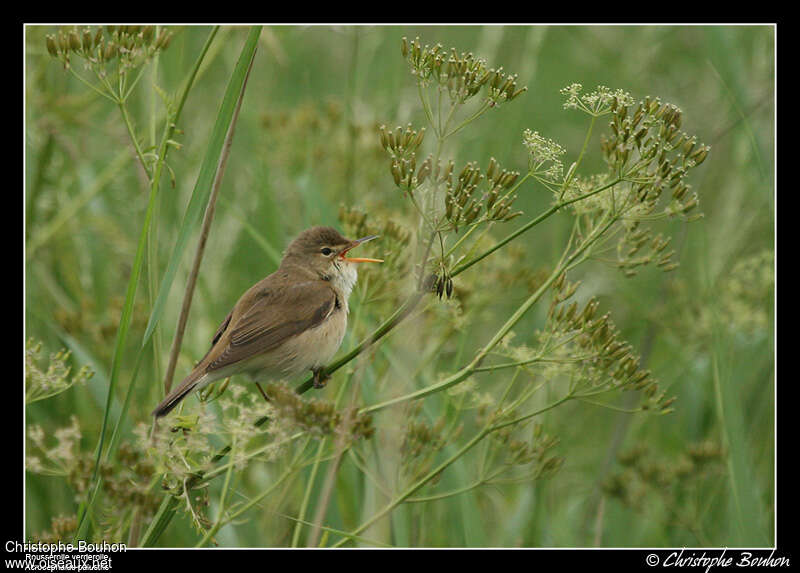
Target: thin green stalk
{"x":427,"y":109}
{"x":529,"y":225}
{"x":485,"y":431}
{"x":327,"y":530}
{"x":500,"y":425}
{"x":129,"y":89}
{"x":485,"y":106}
{"x":132,"y":133}
{"x":578,"y":161}
{"x":463,"y":238}
{"x":152,"y":237}
{"x":92,"y":87}
{"x":254,"y":501}
{"x":539,"y":358}
{"x":222,"y":499}
{"x":340,"y":445}
{"x":444,"y":133}
{"x":307,"y":495}
{"x":516,"y":186}
{"x":417,"y":485}
{"x":160,"y":520}
{"x":361,"y":465}
{"x":446,"y":494}
{"x":201,"y":478}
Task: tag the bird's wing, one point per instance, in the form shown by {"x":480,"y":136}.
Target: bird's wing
{"x":272,"y":318}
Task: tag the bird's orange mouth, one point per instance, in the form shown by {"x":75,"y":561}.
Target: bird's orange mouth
{"x":355,"y":243}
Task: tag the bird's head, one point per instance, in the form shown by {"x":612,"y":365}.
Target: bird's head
{"x":323,"y":251}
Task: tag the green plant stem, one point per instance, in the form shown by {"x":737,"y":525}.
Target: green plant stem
{"x":463,"y":238}
{"x":129,"y":89}
{"x":222,"y":500}
{"x":123,"y":107}
{"x":417,"y":485}
{"x":307,"y":495}
{"x":253,"y":502}
{"x":578,"y":161}
{"x":467,"y":371}
{"x":160,"y":520}
{"x":516,"y":186}
{"x":427,"y":109}
{"x":443,"y":134}
{"x":485,"y":106}
{"x":444,"y":495}
{"x":405,"y":495}
{"x":340,"y":447}
{"x":200,"y":478}
{"x":92,"y":87}
{"x":152,"y":237}
{"x":500,"y":425}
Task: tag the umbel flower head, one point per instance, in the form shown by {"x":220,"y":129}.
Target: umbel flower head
{"x":597,"y":102}
{"x":42,"y":383}
{"x":461,"y":74}
{"x":648,"y":159}
{"x":608,"y":361}
{"x":544,"y":156}
{"x":473,"y":193}
{"x":130,"y":46}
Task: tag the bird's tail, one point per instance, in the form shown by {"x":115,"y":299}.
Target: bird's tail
{"x":174,"y":398}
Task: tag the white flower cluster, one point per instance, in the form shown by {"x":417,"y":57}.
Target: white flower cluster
{"x":544,"y":155}
{"x":597,"y":102}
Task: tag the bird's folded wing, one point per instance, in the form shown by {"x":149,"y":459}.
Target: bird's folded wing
{"x":273,"y":318}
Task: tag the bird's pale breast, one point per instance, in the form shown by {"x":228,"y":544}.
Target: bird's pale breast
{"x":312,"y":348}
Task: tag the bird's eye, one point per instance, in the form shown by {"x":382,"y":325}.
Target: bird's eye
{"x":326,"y":251}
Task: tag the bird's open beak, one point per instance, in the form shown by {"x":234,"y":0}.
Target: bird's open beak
{"x":355,"y":244}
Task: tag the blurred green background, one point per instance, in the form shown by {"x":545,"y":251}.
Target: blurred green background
{"x":306,"y":142}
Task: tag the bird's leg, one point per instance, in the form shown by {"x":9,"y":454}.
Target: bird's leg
{"x":260,"y":389}
{"x":320,"y":378}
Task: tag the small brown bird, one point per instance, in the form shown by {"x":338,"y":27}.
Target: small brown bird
{"x":291,"y":321}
